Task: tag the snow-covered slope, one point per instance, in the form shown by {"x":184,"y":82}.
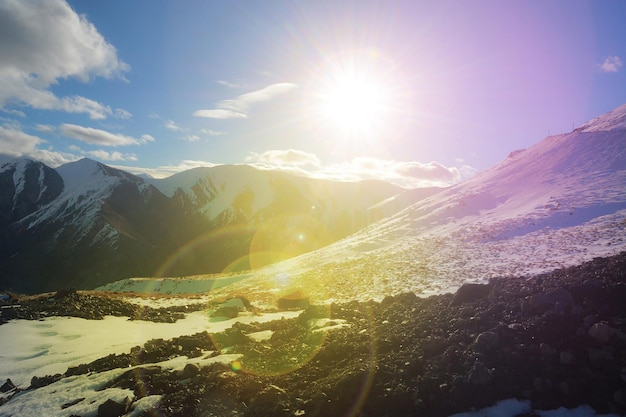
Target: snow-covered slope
{"x":558,"y":203}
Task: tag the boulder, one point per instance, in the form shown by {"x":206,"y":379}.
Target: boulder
{"x":295,"y":300}
{"x":112,"y":408}
{"x":471,"y":292}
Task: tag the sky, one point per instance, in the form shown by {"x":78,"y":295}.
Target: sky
{"x":417,"y":93}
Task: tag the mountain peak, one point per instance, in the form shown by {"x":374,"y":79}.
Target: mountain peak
{"x":613,"y":120}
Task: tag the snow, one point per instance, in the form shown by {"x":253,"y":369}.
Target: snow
{"x":615,"y":119}
{"x":51,"y":345}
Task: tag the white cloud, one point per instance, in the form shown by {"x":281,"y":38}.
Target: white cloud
{"x":101,"y":137}
{"x":111,"y":156}
{"x":220,"y":114}
{"x":611,"y":64}
{"x":211,"y":132}
{"x":190,"y":138}
{"x":170,"y":125}
{"x":228,"y":84}
{"x":44,"y":41}
{"x":285,"y":158}
{"x":14,"y":142}
{"x":123,"y":114}
{"x":411,"y":174}
{"x":17,"y":143}
{"x":239,"y":107}
{"x":45,"y":128}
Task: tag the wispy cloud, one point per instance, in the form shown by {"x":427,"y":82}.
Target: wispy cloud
{"x":238,"y":108}
{"x":611,"y":64}
{"x":111,"y":156}
{"x":170,"y":125}
{"x":101,"y":137}
{"x":410,"y":174}
{"x":123,"y":114}
{"x":228,"y":84}
{"x":44,"y":42}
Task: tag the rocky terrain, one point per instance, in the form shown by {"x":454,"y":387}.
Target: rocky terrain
{"x":557,"y":339}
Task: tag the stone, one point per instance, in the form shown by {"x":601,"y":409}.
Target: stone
{"x":293,"y":301}
{"x":112,"y":408}
{"x":487,"y":341}
{"x":190,"y":370}
{"x":470,"y":292}
{"x":566,"y":358}
{"x":601,"y":332}
{"x":7,"y":386}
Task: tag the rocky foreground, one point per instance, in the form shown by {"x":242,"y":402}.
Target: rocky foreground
{"x":558,"y":339}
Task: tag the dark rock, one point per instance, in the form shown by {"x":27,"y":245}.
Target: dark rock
{"x":469,"y":292}
{"x":38,"y":382}
{"x":228,"y":312}
{"x":293,"y":301}
{"x":7,"y":386}
{"x":190,"y":370}
{"x":112,"y":408}
{"x":601,"y":332}
{"x":487,"y":342}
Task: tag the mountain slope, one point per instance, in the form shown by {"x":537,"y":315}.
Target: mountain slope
{"x":559,"y":203}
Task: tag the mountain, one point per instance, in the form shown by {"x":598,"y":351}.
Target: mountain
{"x":86,"y":224}
{"x":558,"y":203}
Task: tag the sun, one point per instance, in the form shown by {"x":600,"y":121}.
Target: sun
{"x":355,"y":104}
{"x":359,"y":96}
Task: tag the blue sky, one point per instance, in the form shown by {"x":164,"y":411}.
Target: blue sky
{"x":417,"y":93}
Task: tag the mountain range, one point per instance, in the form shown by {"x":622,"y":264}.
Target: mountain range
{"x":85,"y":224}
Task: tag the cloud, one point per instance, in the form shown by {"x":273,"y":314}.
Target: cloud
{"x":101,"y":137}
{"x":14,"y":142}
{"x":44,"y":41}
{"x":190,"y":138}
{"x":239,"y":107}
{"x":45,"y":128}
{"x":611,"y":64}
{"x":220,"y":114}
{"x":284,"y":158}
{"x":111,"y":156}
{"x":228,"y":84}
{"x":170,"y":125}
{"x":411,"y":174}
{"x":211,"y":132}
{"x":123,"y":114}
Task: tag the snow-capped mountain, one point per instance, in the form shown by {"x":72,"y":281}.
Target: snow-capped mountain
{"x":86,"y":223}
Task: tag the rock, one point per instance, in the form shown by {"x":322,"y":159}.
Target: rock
{"x":7,"y":386}
{"x":601,"y":332}
{"x":228,"y":312}
{"x":566,"y":358}
{"x":112,"y":408}
{"x":559,"y":299}
{"x":487,"y":341}
{"x":479,"y":374}
{"x":471,"y":292}
{"x":38,"y":382}
{"x":190,"y":370}
{"x":293,"y":301}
